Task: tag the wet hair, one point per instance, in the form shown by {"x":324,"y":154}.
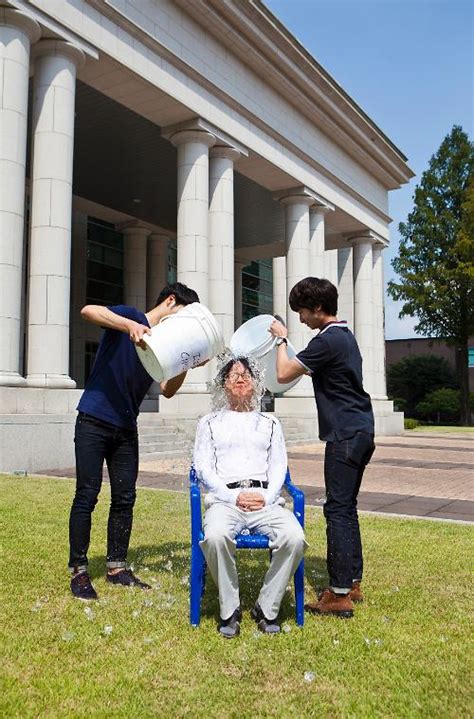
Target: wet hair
{"x":184,"y":295}
{"x":313,"y":292}
{"x":225,"y":371}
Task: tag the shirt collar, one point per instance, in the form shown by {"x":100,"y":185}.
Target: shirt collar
{"x":336,"y":323}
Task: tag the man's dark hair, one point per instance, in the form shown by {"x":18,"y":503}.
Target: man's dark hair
{"x":184,"y":295}
{"x":227,"y":368}
{"x":313,"y":292}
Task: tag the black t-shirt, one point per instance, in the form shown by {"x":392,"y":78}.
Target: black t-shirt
{"x":335,"y":363}
{"x":118,"y":382}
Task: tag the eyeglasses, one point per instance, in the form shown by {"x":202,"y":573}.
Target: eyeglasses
{"x":234,"y":376}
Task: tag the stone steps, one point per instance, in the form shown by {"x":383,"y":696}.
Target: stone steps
{"x":160,"y":437}
{"x":167,"y":437}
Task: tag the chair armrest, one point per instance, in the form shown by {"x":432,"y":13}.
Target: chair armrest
{"x":298,"y":498}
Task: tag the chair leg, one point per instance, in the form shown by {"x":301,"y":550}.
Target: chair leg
{"x":299,"y":594}
{"x":197,"y":581}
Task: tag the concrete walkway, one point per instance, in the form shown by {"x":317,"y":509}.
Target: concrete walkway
{"x":418,"y":474}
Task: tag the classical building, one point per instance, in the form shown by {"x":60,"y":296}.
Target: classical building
{"x":141,"y":141}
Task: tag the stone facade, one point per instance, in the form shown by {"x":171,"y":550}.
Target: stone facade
{"x":204,"y":124}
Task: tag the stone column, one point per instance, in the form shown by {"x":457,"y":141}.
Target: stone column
{"x":193,"y":207}
{"x":297,"y":258}
{"x":156,"y":280}
{"x":363,"y":306}
{"x":50,"y":243}
{"x":297,"y":266}
{"x":156,"y":267}
{"x":380,"y":386}
{"x":330,"y":266}
{"x":17,"y":32}
{"x":345,"y":286}
{"x":192,"y":226}
{"x":238,"y":267}
{"x":135,"y":255}
{"x":317,"y":241}
{"x":221,"y":237}
{"x":280,"y":295}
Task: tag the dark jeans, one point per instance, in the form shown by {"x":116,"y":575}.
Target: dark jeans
{"x":96,"y":441}
{"x":344,"y":464}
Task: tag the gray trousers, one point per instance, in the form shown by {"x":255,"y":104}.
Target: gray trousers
{"x":222,"y":522}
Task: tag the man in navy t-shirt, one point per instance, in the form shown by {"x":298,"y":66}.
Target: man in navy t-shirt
{"x":106,"y":430}
{"x":346,"y":424}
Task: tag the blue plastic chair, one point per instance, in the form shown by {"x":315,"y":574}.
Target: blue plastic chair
{"x":243,"y":541}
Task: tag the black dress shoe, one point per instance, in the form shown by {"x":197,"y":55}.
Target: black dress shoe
{"x":230,"y":628}
{"x":81,"y":586}
{"x":127,"y":579}
{"x":267,"y":626}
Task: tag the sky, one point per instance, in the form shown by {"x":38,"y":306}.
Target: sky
{"x":409,"y":65}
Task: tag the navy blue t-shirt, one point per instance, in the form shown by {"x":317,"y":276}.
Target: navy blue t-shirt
{"x":335,"y":363}
{"x":118,"y":382}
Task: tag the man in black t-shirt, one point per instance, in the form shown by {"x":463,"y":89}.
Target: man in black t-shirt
{"x":346,"y":424}
{"x":106,"y":430}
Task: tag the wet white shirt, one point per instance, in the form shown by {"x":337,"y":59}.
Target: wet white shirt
{"x":232,"y":446}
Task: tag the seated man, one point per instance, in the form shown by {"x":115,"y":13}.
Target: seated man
{"x":240,"y":458}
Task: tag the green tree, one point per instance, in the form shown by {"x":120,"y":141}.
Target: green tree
{"x":411,"y":379}
{"x":436,"y":255}
{"x":443,"y":404}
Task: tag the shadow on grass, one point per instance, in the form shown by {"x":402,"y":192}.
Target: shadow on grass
{"x":251,"y":566}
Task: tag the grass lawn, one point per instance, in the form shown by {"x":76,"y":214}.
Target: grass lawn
{"x":442,"y":428}
{"x":405,"y":653}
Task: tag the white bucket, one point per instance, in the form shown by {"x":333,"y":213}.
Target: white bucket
{"x":253,"y":339}
{"x":180,"y":342}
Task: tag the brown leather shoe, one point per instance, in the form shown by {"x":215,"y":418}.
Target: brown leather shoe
{"x":338,"y":605}
{"x":356,"y":593}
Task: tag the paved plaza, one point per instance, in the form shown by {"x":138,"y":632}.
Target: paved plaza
{"x":420,"y":474}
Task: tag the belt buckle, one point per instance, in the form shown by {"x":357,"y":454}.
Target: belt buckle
{"x":246,"y":483}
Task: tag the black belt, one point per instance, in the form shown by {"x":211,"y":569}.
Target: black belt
{"x":247,"y":483}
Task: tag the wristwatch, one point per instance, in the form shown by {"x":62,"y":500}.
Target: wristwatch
{"x":281,"y":340}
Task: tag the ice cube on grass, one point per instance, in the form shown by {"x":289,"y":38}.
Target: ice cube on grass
{"x":89,"y":613}
{"x":107,"y":630}
{"x":67,"y":636}
{"x":309,"y":677}
{"x":286,"y":628}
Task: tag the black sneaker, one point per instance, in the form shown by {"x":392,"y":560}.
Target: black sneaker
{"x":127,"y":579}
{"x":230,"y":628}
{"x":81,"y":586}
{"x":267,"y":626}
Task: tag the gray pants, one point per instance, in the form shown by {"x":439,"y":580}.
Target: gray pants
{"x":222,"y":522}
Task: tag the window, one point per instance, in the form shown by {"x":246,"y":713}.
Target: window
{"x":105,"y":281}
{"x":172,"y":263}
{"x":257,"y":289}
{"x":89,"y":358}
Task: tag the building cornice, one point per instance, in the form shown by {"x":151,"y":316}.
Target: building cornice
{"x":149,"y":40}
{"x":256,"y":36}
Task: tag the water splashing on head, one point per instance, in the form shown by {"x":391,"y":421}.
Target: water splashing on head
{"x":238,"y":384}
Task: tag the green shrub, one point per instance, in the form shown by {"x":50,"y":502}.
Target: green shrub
{"x":443,"y":404}
{"x":399,"y":404}
{"x":413,"y":378}
{"x":411,"y":423}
